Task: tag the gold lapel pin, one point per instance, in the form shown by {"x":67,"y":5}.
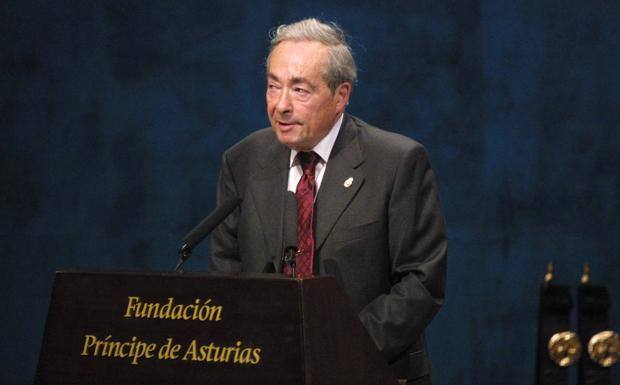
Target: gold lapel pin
{"x":348,"y":182}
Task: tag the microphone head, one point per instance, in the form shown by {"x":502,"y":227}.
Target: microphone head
{"x":208,"y":224}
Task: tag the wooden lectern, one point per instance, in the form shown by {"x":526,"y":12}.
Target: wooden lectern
{"x":173,"y":329}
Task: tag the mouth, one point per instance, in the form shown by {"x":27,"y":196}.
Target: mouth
{"x":285,"y":126}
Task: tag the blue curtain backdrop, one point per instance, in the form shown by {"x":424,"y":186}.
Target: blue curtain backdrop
{"x":114,"y":115}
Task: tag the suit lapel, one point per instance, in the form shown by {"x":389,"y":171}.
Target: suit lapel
{"x":268,"y":195}
{"x":341,"y":182}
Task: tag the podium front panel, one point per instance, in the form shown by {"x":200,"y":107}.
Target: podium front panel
{"x":165,"y":328}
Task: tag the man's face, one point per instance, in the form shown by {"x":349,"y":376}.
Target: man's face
{"x":301,"y":107}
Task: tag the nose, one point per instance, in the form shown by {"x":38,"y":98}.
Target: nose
{"x":284,"y":105}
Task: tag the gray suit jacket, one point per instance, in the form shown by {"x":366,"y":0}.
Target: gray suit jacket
{"x":383,"y":237}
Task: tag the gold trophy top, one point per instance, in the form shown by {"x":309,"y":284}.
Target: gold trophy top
{"x":549,"y":275}
{"x":604,"y":348}
{"x":564,"y":348}
{"x":585,"y":277}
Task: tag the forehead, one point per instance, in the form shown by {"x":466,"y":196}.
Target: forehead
{"x":297,"y":59}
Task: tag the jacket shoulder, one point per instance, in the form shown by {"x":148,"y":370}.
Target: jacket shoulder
{"x":385,"y":144}
{"x":252,"y":145}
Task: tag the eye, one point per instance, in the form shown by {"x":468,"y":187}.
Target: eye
{"x":301,"y":91}
{"x":272,"y":89}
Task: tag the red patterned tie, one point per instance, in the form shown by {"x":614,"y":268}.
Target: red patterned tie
{"x":306,"y":191}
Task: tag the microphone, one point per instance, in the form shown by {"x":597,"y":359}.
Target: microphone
{"x":289,"y":238}
{"x":205,"y":227}
{"x":290,"y":258}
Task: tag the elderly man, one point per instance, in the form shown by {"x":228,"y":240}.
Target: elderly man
{"x":368,"y":210}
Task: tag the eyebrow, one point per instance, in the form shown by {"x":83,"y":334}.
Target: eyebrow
{"x":294,"y":80}
{"x":297,"y":80}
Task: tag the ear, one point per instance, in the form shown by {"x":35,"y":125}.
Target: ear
{"x":342,"y":94}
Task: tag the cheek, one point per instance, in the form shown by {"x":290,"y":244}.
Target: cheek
{"x":306,"y":112}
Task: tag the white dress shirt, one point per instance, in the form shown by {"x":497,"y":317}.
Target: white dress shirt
{"x":323,"y":149}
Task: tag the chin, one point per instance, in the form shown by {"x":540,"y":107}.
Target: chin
{"x":286,"y":140}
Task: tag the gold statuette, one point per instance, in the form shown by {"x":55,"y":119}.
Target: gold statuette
{"x":604,"y":348}
{"x":549,"y":275}
{"x":564,"y":348}
{"x":585,"y":277}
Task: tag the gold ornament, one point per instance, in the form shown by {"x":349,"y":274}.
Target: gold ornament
{"x":604,"y":348}
{"x":564,"y":348}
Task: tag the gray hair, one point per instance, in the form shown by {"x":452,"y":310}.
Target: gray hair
{"x":340,"y":66}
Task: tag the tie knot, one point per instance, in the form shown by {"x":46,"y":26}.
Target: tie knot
{"x":308,"y":161}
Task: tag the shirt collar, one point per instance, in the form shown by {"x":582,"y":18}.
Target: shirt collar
{"x":324,"y":147}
